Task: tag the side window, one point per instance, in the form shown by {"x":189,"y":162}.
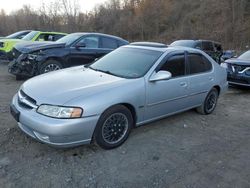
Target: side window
{"x":45,"y":37}
{"x":109,"y":43}
{"x":207,"y":46}
{"x":198,"y":63}
{"x":175,"y":65}
{"x":90,"y":42}
{"x":57,"y":37}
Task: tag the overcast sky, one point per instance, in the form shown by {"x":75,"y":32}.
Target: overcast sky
{"x":11,"y":5}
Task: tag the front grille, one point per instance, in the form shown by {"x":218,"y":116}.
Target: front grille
{"x":237,"y":68}
{"x":26,"y":101}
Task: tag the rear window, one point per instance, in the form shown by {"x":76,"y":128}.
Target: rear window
{"x":198,"y":64}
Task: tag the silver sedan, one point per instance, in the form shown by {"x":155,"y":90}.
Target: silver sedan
{"x":129,"y":87}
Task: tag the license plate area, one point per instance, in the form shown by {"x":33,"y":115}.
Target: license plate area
{"x":14,"y":112}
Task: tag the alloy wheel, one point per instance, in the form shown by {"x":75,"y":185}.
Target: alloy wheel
{"x":115,"y":128}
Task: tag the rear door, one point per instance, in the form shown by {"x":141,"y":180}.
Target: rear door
{"x":201,"y":77}
{"x":168,"y":96}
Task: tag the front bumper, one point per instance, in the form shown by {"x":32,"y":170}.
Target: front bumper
{"x":238,"y":79}
{"x":22,"y":67}
{"x":52,"y":131}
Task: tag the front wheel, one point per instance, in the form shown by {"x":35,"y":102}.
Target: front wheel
{"x":210,"y":102}
{"x":113,"y":127}
{"x":49,"y":66}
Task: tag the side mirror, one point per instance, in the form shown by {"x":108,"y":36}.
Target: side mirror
{"x":80,"y":45}
{"x":161,"y":75}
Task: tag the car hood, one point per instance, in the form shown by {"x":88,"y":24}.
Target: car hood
{"x":10,"y":40}
{"x":237,"y":61}
{"x":28,"y":47}
{"x":59,"y":87}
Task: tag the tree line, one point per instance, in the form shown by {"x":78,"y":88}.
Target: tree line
{"x":225,"y":21}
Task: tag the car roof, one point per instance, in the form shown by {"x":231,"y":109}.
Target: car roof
{"x":100,"y":34}
{"x":198,"y":40}
{"x":164,"y":49}
{"x":50,"y":32}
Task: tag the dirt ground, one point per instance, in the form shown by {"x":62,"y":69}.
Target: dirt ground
{"x":185,"y":150}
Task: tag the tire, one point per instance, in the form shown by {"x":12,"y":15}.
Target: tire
{"x":210,"y":103}
{"x":49,"y":66}
{"x":108,"y":134}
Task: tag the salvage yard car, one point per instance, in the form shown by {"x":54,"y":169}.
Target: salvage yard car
{"x":72,"y":50}
{"x":7,"y":44}
{"x":214,"y":49}
{"x":128,"y":87}
{"x":17,"y":35}
{"x":238,"y":70}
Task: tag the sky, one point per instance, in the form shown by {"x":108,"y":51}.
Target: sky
{"x":12,"y":5}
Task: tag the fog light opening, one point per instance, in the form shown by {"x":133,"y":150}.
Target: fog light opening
{"x":42,"y":136}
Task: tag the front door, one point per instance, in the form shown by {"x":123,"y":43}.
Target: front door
{"x":168,"y":96}
{"x":84,"y":52}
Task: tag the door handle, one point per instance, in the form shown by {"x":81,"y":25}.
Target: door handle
{"x":211,"y":78}
{"x":183,"y":84}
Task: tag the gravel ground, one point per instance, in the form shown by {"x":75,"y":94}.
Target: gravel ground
{"x":185,"y":150}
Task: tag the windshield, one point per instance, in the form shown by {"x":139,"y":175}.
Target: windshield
{"x":69,"y":39}
{"x":30,"y":36}
{"x":185,"y":43}
{"x":16,"y":35}
{"x":245,"y":56}
{"x":127,"y":62}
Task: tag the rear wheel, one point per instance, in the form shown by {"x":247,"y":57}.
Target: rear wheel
{"x":49,"y":66}
{"x":113,"y":127}
{"x":210,"y":102}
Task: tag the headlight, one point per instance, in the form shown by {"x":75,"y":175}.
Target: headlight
{"x":60,"y":111}
{"x":1,"y":44}
{"x":32,"y":56}
{"x":224,"y":65}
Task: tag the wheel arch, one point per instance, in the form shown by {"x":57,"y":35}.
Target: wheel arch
{"x":129,"y":106}
{"x":60,"y":60}
{"x":218,"y":88}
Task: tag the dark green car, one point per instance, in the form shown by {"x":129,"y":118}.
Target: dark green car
{"x":214,"y":49}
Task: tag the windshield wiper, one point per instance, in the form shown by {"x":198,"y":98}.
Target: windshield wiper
{"x":107,"y":72}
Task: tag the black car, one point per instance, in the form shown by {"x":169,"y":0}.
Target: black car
{"x":214,"y":49}
{"x":238,"y":70}
{"x":75,"y":49}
